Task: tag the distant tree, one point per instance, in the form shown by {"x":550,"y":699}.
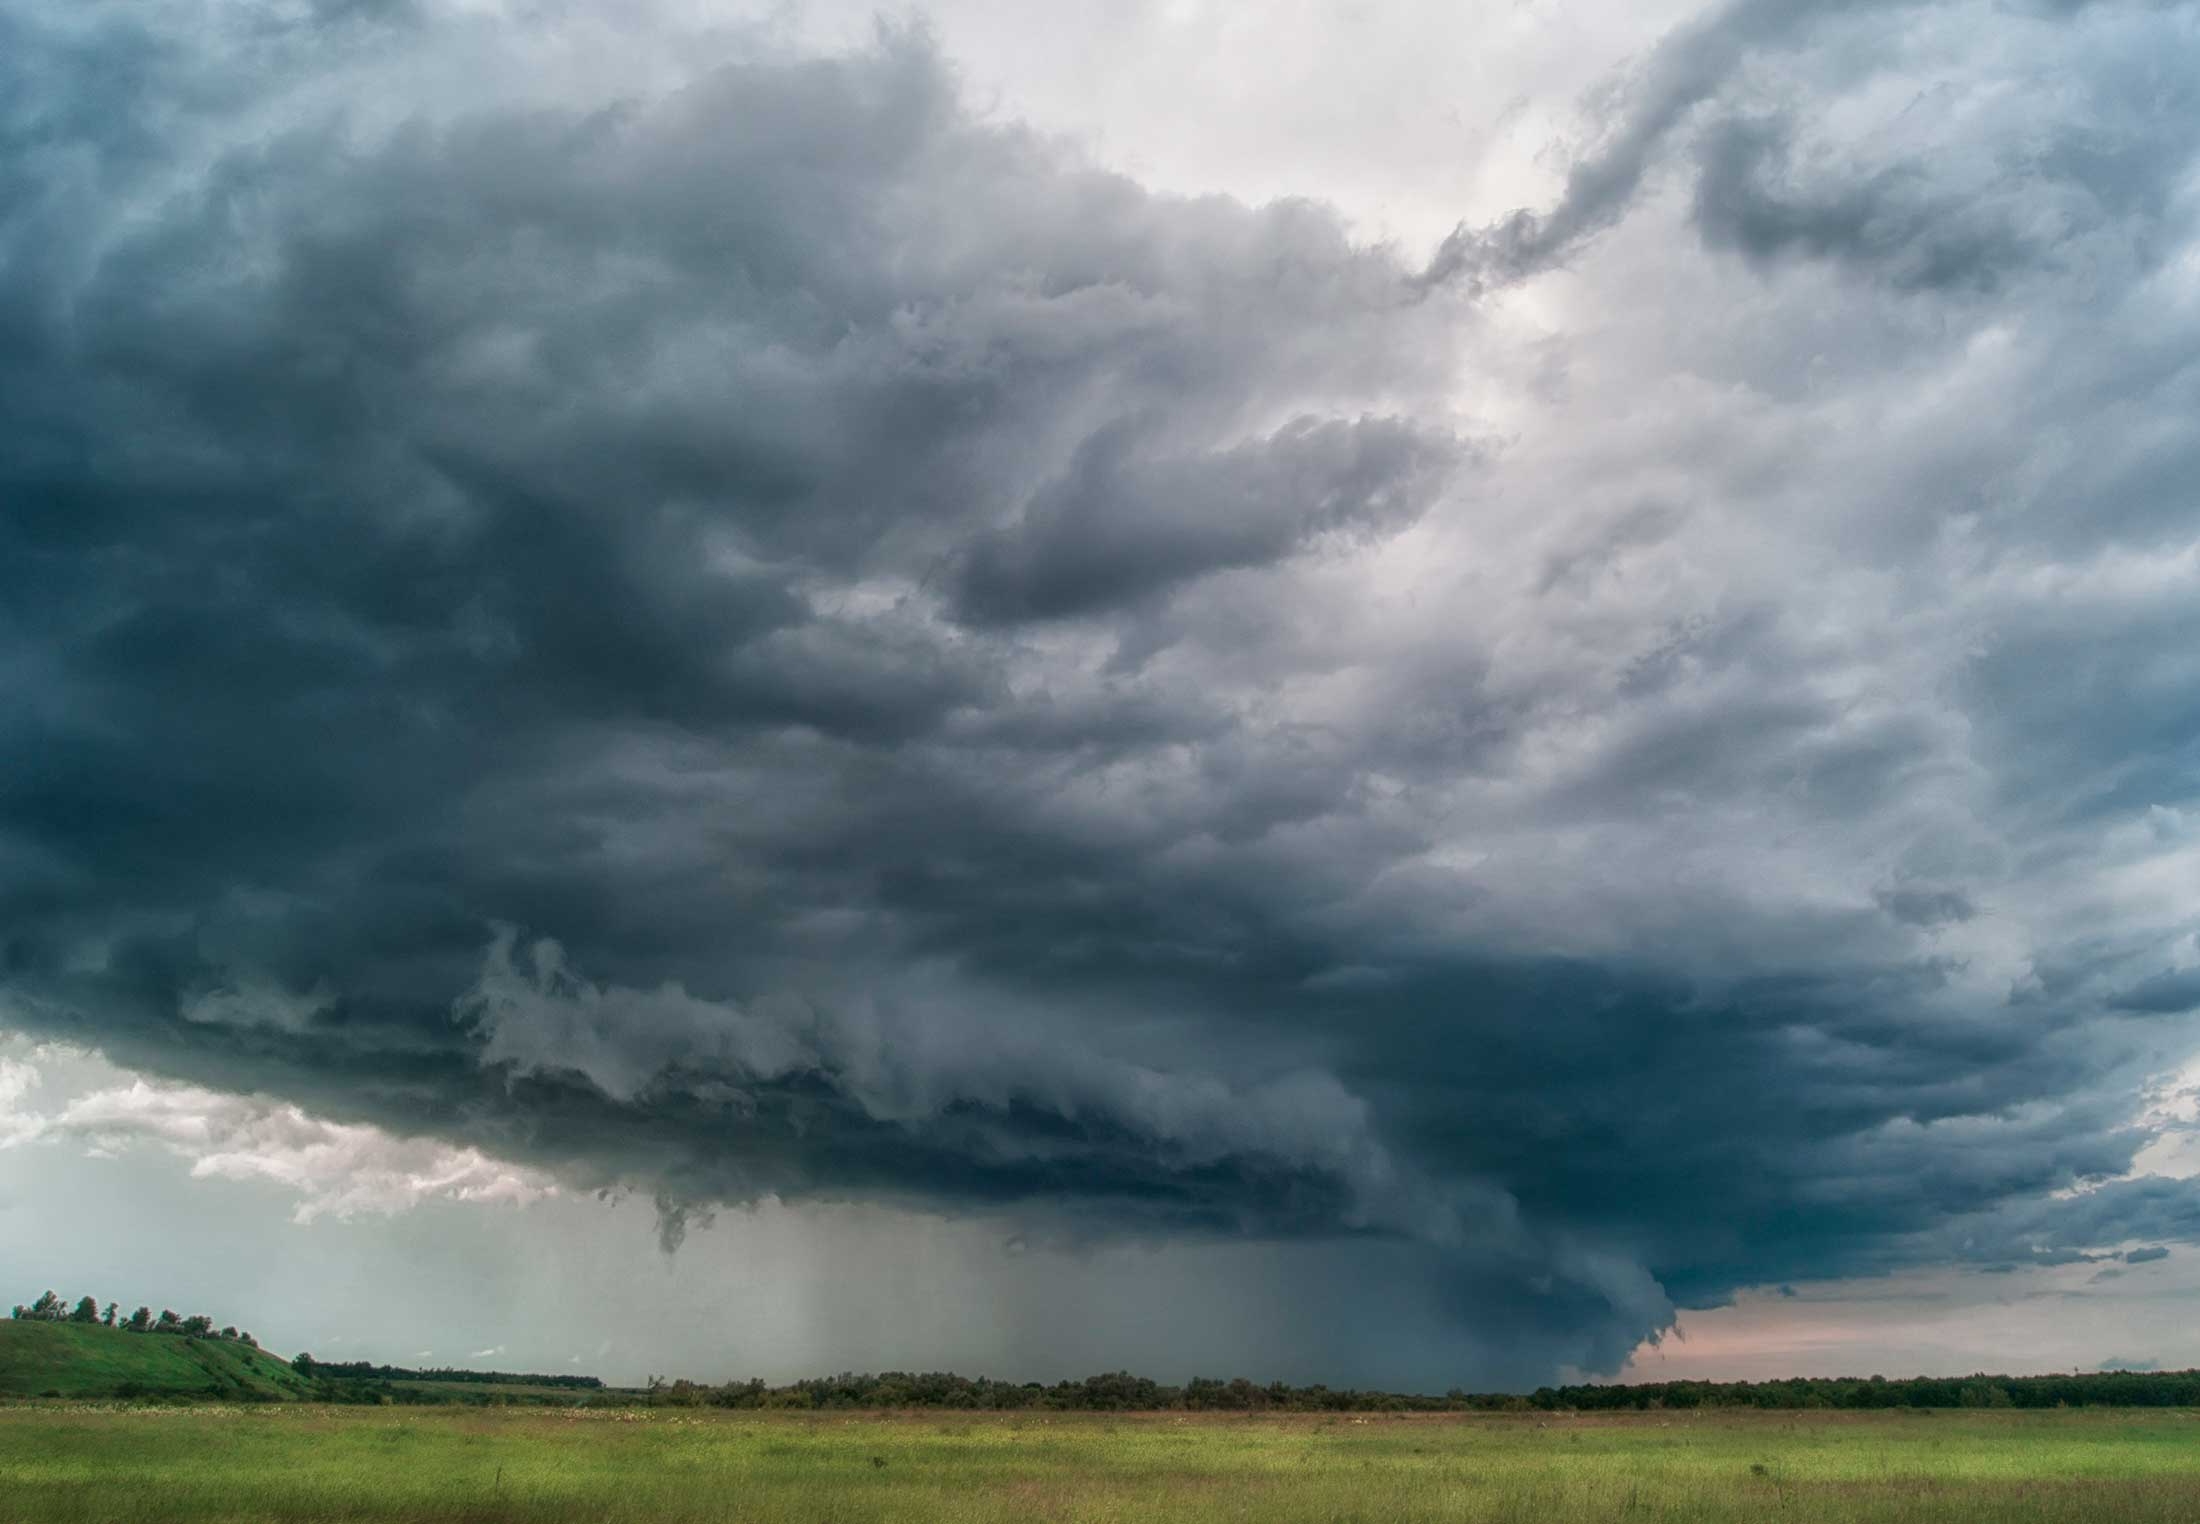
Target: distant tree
{"x":302,"y":1363}
{"x":108,"y":1317}
{"x":167,"y":1323}
{"x":87,"y":1311}
{"x":198,"y":1325}
{"x":48,"y":1308}
{"x":248,"y":1341}
{"x":229,"y":1331}
{"x":141,"y":1321}
{"x":18,"y":1311}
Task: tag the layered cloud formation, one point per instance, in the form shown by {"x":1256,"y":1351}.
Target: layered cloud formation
{"x":770,"y":631}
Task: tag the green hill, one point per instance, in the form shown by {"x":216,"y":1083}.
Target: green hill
{"x":40,"y":1359}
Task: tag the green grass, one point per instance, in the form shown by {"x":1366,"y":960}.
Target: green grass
{"x":307,"y":1462}
{"x":87,"y":1360}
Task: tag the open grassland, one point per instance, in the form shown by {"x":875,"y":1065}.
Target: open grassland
{"x":86,"y":1360}
{"x":320,"y":1463}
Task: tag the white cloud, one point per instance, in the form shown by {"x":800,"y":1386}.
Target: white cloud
{"x":335,"y":1169}
{"x":17,"y":1080}
{"x":2172,"y":1117}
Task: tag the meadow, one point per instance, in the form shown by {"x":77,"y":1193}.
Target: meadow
{"x":309,"y":1462}
{"x":86,"y":1360}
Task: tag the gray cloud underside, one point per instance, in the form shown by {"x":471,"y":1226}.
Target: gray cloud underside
{"x":785,"y":635}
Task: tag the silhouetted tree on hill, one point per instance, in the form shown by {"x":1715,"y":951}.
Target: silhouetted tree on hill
{"x":52,"y":1308}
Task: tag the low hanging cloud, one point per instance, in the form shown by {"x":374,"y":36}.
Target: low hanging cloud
{"x":769,"y":632}
{"x":1019,"y":1110}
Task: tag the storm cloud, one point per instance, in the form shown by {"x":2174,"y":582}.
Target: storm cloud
{"x":772,"y":631}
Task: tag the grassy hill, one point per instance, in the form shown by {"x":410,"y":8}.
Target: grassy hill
{"x":86,"y":1360}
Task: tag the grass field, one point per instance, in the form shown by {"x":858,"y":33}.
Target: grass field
{"x":307,"y":1462}
{"x":86,"y":1360}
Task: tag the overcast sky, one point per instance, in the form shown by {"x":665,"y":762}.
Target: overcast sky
{"x":1425,"y":694}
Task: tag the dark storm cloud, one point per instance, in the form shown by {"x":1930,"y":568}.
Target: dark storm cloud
{"x":440,"y":520}
{"x":1888,"y":221}
{"x":1116,"y":527}
{"x":1971,"y":203}
{"x":2069,"y":1231}
{"x":779,"y":635}
{"x":2166,"y":994}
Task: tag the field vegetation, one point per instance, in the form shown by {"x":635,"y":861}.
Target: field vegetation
{"x":313,"y":1462}
{"x":63,"y":1359}
{"x":214,"y":1428}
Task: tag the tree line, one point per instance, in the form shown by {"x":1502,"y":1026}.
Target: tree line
{"x":2114,"y":1389}
{"x":1121,"y":1392}
{"x":366,"y":1370}
{"x":50,"y":1308}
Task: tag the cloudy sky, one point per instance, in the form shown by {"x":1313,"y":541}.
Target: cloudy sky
{"x":1411,"y":693}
